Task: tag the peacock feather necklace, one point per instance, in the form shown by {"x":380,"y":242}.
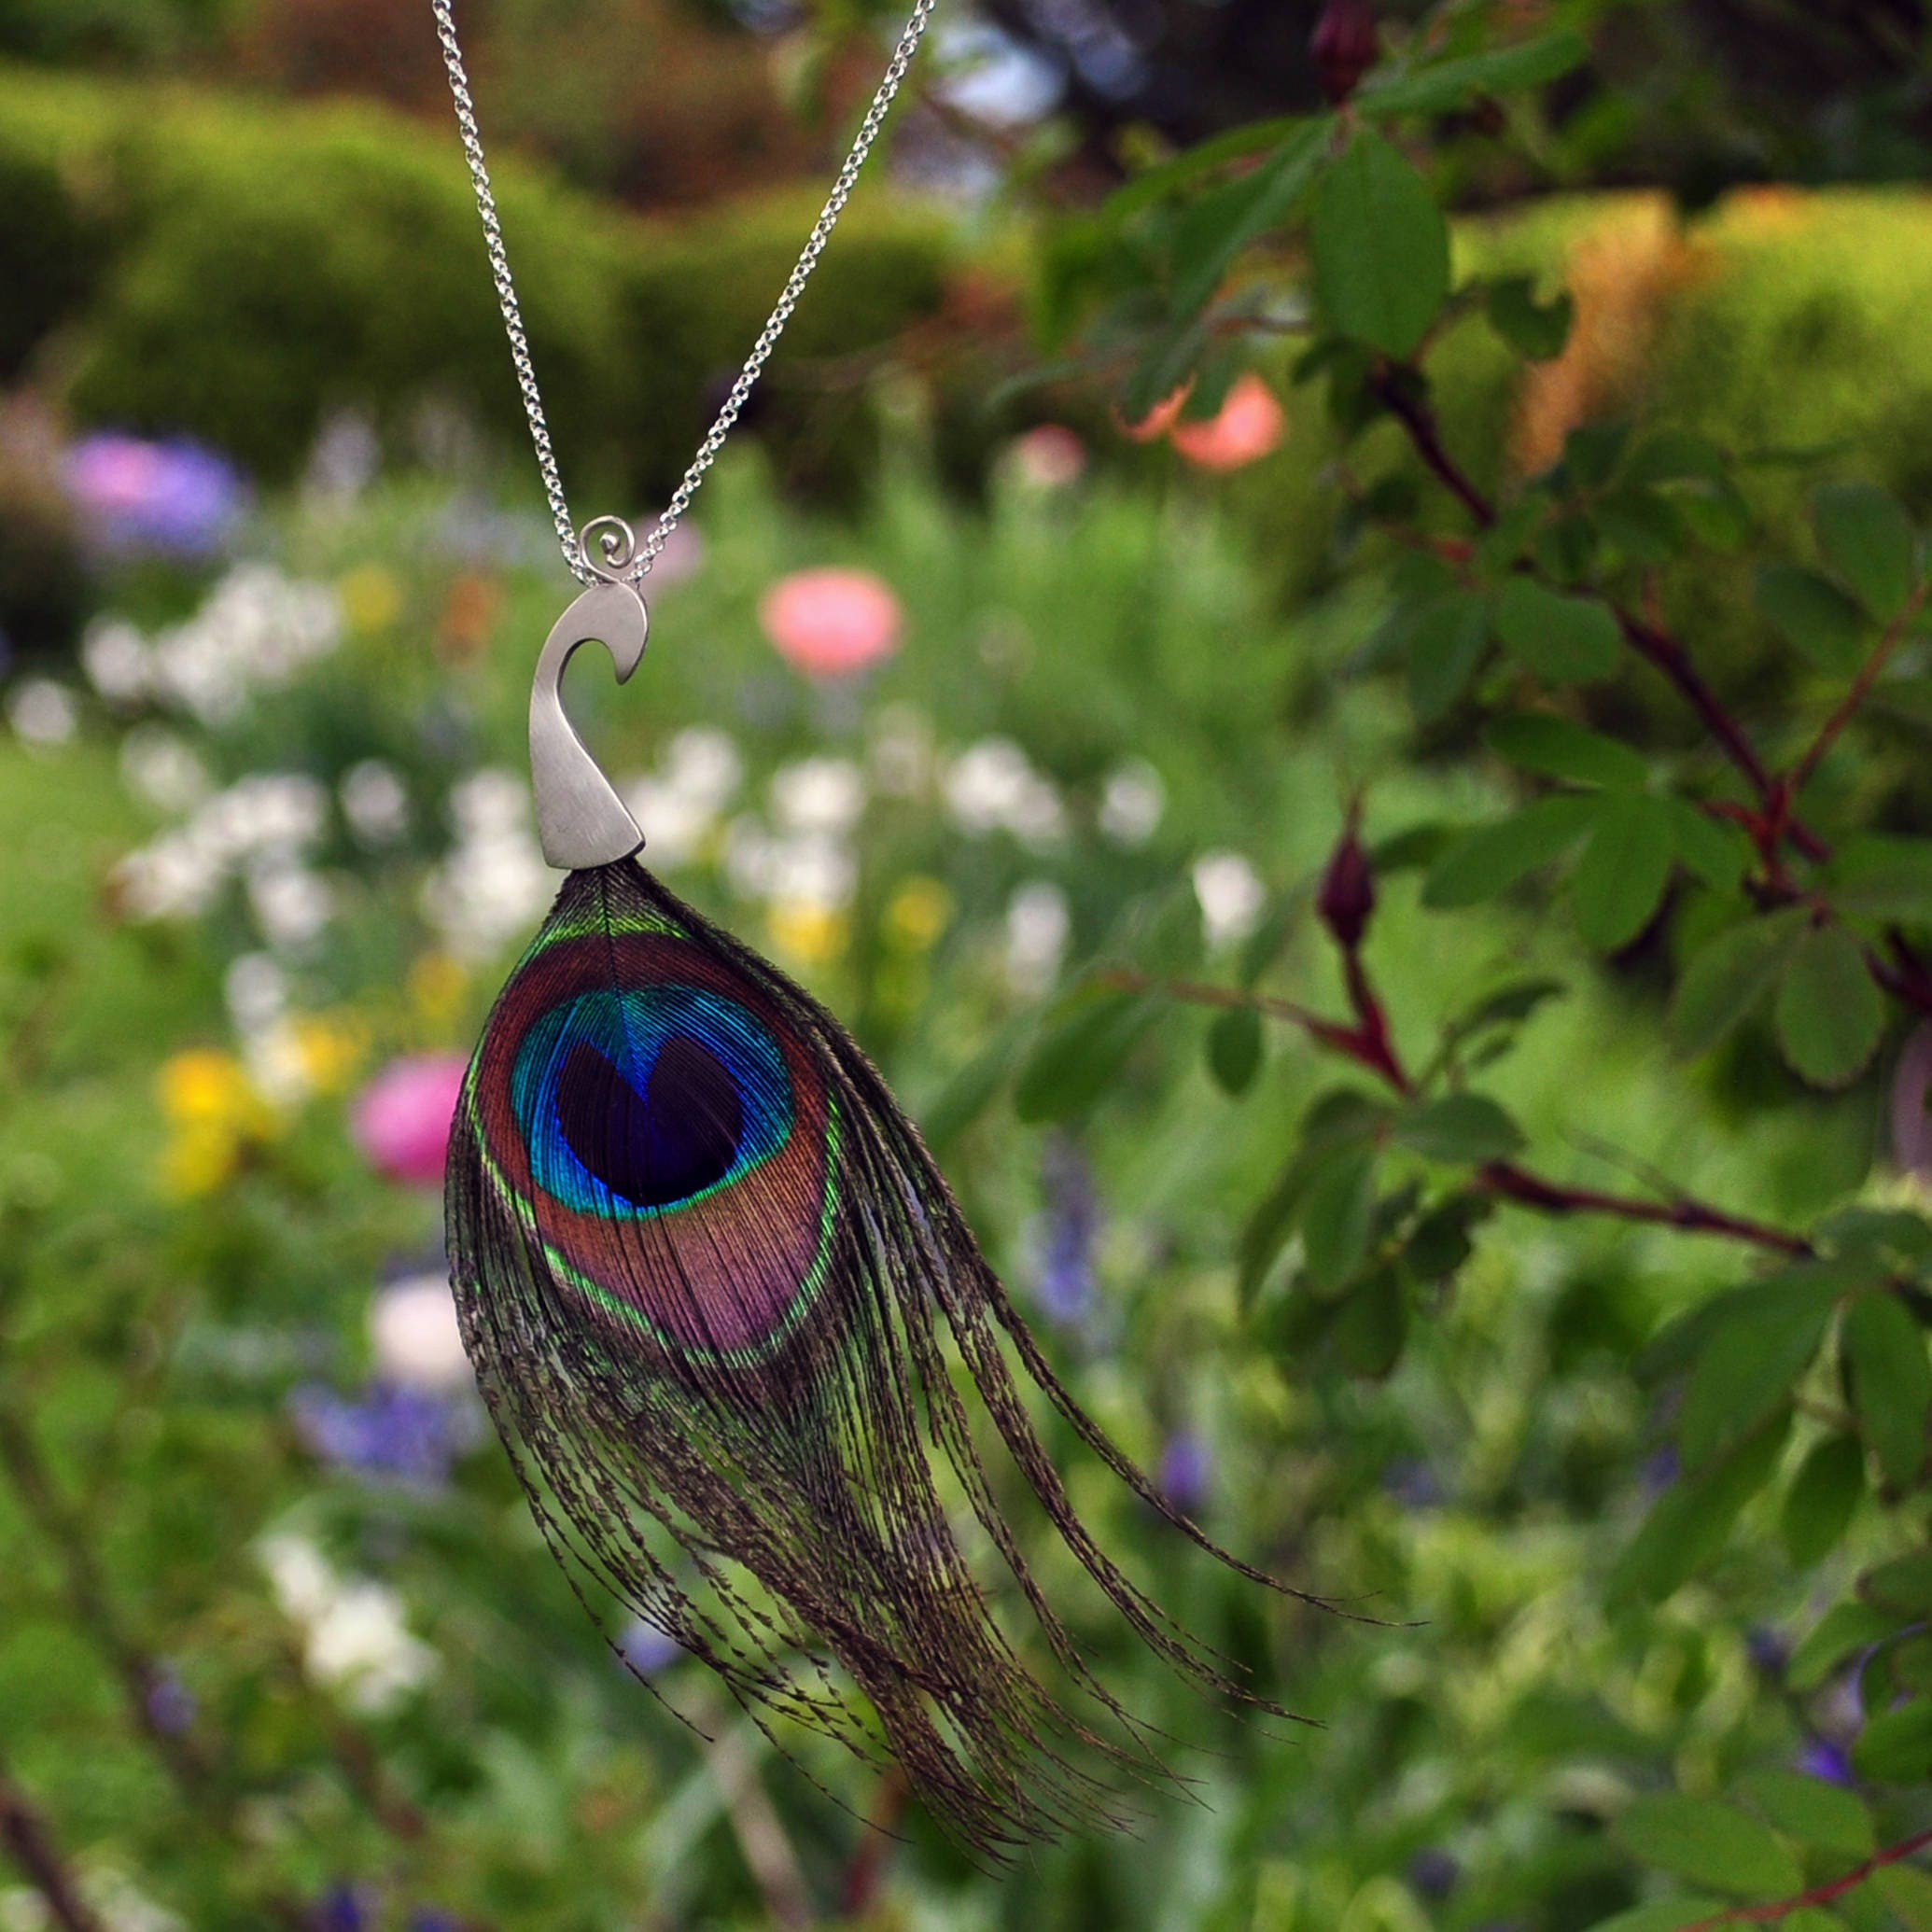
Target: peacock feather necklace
{"x":717,"y":1296}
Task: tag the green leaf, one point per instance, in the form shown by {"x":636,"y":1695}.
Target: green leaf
{"x":1751,"y":1361}
{"x":1907,"y":1890}
{"x":1620,"y":881}
{"x":1891,"y":1383}
{"x":1561,"y":639}
{"x":1459,"y":1127}
{"x":1659,"y":1915}
{"x":1714,"y":850}
{"x":1692,"y":1519}
{"x":1540,"y":741}
{"x":1440,"y":1242}
{"x":1842,"y":1629}
{"x":1829,"y":1017}
{"x":1235,"y":1049}
{"x":1217,"y":227}
{"x":1884,"y":878}
{"x":1904,"y":1585}
{"x":1450,"y":84}
{"x":1337,"y":1210}
{"x":1076,"y":1061}
{"x":1729,"y":978}
{"x":1484,"y":863}
{"x":1869,"y":539}
{"x":1708,"y":1842}
{"x":1373,"y":1323}
{"x":1895,"y":1746}
{"x":1444,"y":643}
{"x":1537,"y":329}
{"x":1813,"y":616}
{"x":1821,"y":1816}
{"x":1380,"y":247}
{"x":1822,"y":1500}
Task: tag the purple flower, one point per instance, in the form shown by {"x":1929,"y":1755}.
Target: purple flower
{"x":409,"y":1435}
{"x":1434,"y":1873}
{"x":645,"y":1650}
{"x":1822,"y":1759}
{"x":1412,"y":1483}
{"x":1186,"y":1471}
{"x":1069,"y":1226}
{"x":428,"y":1918}
{"x":171,"y":1705}
{"x":176,"y":498}
{"x":342,"y":1909}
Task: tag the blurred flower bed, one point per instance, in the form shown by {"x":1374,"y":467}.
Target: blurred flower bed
{"x":934,"y":783}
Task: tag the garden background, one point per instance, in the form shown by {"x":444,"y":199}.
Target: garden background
{"x":1315,"y":636}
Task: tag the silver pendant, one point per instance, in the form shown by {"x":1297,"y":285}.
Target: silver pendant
{"x":580,"y":820}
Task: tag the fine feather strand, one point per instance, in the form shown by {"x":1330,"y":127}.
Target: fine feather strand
{"x":713,"y":1287}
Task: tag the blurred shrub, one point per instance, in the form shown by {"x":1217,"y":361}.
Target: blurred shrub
{"x":267,"y":266}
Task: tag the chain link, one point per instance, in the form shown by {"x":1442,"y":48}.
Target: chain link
{"x":636,"y":564}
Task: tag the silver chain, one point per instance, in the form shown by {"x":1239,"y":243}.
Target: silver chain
{"x":624,"y":556}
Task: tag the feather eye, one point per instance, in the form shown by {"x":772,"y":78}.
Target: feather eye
{"x":714,"y":1290}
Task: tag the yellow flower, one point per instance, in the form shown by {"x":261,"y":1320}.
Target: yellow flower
{"x":328,"y":1048}
{"x":197,"y":1160}
{"x":203,"y":1085}
{"x":213,"y":1111}
{"x":437,"y":986}
{"x":371,"y":600}
{"x":813,"y":936}
{"x":918,"y":912}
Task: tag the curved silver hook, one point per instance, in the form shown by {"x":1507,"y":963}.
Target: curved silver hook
{"x":580,"y":820}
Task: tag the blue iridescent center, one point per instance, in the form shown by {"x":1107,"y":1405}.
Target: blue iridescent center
{"x":640,"y":1101}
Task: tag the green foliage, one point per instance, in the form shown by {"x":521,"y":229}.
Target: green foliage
{"x":237,"y":273}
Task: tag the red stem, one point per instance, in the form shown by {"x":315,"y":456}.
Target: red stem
{"x":1860,"y":690}
{"x":1820,"y":1895}
{"x":1367,"y":1043}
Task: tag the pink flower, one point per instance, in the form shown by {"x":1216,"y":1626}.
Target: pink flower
{"x":401,"y":1119}
{"x":1247,"y":426}
{"x":830,"y":623}
{"x":1049,"y":456}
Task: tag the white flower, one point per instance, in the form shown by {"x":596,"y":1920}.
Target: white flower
{"x":991,"y":787}
{"x":115,"y":656}
{"x":986,"y":784}
{"x":674,"y":823}
{"x":278,"y":812}
{"x":1231,"y":897}
{"x":1132,"y":803}
{"x":171,"y":878}
{"x":257,"y":631}
{"x":823,"y":795}
{"x":486,"y":892}
{"x":703,"y":764}
{"x":813,"y":871}
{"x":357,"y":1639}
{"x":489,"y":802}
{"x":361,"y":1645}
{"x":413,"y":1330}
{"x":751,"y":857}
{"x":256,"y":992}
{"x":159,"y":768}
{"x":291,"y":904}
{"x":376,"y":802}
{"x":1037,"y":926}
{"x":42,"y":712}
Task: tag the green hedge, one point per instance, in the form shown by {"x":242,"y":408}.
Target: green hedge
{"x":179,"y":260}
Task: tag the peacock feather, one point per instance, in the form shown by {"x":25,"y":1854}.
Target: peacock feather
{"x":715,"y":1292}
